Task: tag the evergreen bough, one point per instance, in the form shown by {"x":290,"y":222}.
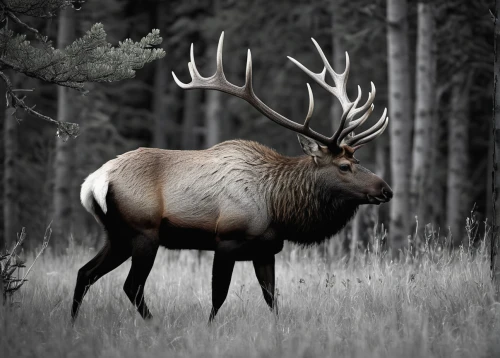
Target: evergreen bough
{"x":88,"y":59}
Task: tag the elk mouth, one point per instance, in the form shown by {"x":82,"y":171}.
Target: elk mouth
{"x":377,"y":200}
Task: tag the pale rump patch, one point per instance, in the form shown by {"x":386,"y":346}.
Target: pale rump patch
{"x":95,"y":187}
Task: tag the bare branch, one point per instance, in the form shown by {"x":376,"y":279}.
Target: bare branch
{"x":65,"y":130}
{"x":26,"y":26}
{"x":46,"y":239}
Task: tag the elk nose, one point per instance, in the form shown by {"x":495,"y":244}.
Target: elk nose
{"x":387,"y":193}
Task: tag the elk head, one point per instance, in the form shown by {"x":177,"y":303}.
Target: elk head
{"x":337,"y":169}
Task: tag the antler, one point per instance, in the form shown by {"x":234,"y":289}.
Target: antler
{"x":350,"y":110}
{"x":219,"y":82}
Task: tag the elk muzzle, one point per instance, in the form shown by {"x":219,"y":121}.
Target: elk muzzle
{"x":385,"y":195}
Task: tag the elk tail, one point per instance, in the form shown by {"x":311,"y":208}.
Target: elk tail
{"x":94,"y":191}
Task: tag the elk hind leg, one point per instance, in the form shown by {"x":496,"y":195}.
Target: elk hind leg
{"x":144,"y":251}
{"x":109,"y":258}
{"x":264,"y":270}
{"x":222,"y":271}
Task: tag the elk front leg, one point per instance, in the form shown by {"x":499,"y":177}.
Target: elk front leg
{"x":222,"y":271}
{"x":264,"y":270}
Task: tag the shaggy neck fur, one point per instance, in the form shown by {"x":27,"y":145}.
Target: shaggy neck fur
{"x":303,"y":209}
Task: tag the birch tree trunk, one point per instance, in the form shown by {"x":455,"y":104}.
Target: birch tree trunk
{"x":160,"y":88}
{"x":495,"y":257}
{"x":456,"y":203}
{"x":10,"y":215}
{"x":400,"y":121}
{"x":63,"y":157}
{"x":425,"y":93}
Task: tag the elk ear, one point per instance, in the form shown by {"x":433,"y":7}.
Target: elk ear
{"x":310,"y":146}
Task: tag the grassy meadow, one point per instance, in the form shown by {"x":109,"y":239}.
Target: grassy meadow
{"x":437,"y":305}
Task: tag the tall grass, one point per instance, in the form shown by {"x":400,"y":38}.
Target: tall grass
{"x":432,"y":304}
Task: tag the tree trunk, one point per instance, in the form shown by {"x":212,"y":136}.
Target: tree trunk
{"x":382,"y":170}
{"x":10,"y":216}
{"x":160,"y":88}
{"x":213,"y":110}
{"x":437,"y":181}
{"x":190,"y":118}
{"x":436,"y":206}
{"x":213,"y":117}
{"x":425,"y":91}
{"x":456,"y":203}
{"x":338,"y":61}
{"x":495,"y":257}
{"x":400,"y":121}
{"x":63,"y":168}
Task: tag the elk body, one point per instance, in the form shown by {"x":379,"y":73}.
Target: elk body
{"x":239,"y":198}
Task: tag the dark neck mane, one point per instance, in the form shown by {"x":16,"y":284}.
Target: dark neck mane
{"x":304,"y":211}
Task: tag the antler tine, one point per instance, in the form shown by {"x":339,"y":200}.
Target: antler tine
{"x":248,"y":73}
{"x":179,"y":83}
{"x":364,"y":107}
{"x":354,"y":124}
{"x":370,"y":133}
{"x":220,"y":69}
{"x":371,"y":137}
{"x":193,"y":64}
{"x":311,"y":107}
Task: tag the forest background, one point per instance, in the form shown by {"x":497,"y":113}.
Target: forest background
{"x":431,"y":62}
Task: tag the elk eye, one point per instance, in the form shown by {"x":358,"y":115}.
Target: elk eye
{"x":344,"y":167}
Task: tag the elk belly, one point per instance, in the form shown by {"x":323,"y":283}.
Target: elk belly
{"x":248,"y":249}
{"x":176,"y":236}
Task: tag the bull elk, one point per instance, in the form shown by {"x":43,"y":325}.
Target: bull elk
{"x":239,"y":198}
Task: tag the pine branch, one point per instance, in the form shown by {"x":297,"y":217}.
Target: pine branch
{"x":88,"y":59}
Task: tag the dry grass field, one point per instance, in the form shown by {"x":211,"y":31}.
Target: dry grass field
{"x":435,"y":306}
